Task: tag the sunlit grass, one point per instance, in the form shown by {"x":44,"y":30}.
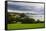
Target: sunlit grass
{"x":23,"y":26}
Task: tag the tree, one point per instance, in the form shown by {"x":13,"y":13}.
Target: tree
{"x":11,"y":18}
{"x":18,"y":19}
{"x":28,"y":20}
{"x":22,"y":15}
{"x":38,"y":21}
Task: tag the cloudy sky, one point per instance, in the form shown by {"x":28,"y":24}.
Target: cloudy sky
{"x":36,"y":10}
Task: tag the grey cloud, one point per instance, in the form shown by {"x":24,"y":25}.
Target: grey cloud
{"x":19,"y":7}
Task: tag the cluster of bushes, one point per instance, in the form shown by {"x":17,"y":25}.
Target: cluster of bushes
{"x":23,"y":19}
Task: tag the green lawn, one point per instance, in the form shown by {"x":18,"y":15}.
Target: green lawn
{"x":23,"y":26}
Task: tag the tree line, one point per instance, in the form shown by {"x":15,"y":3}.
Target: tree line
{"x":21,"y":18}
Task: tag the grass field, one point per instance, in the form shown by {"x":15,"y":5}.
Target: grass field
{"x":24,"y":26}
